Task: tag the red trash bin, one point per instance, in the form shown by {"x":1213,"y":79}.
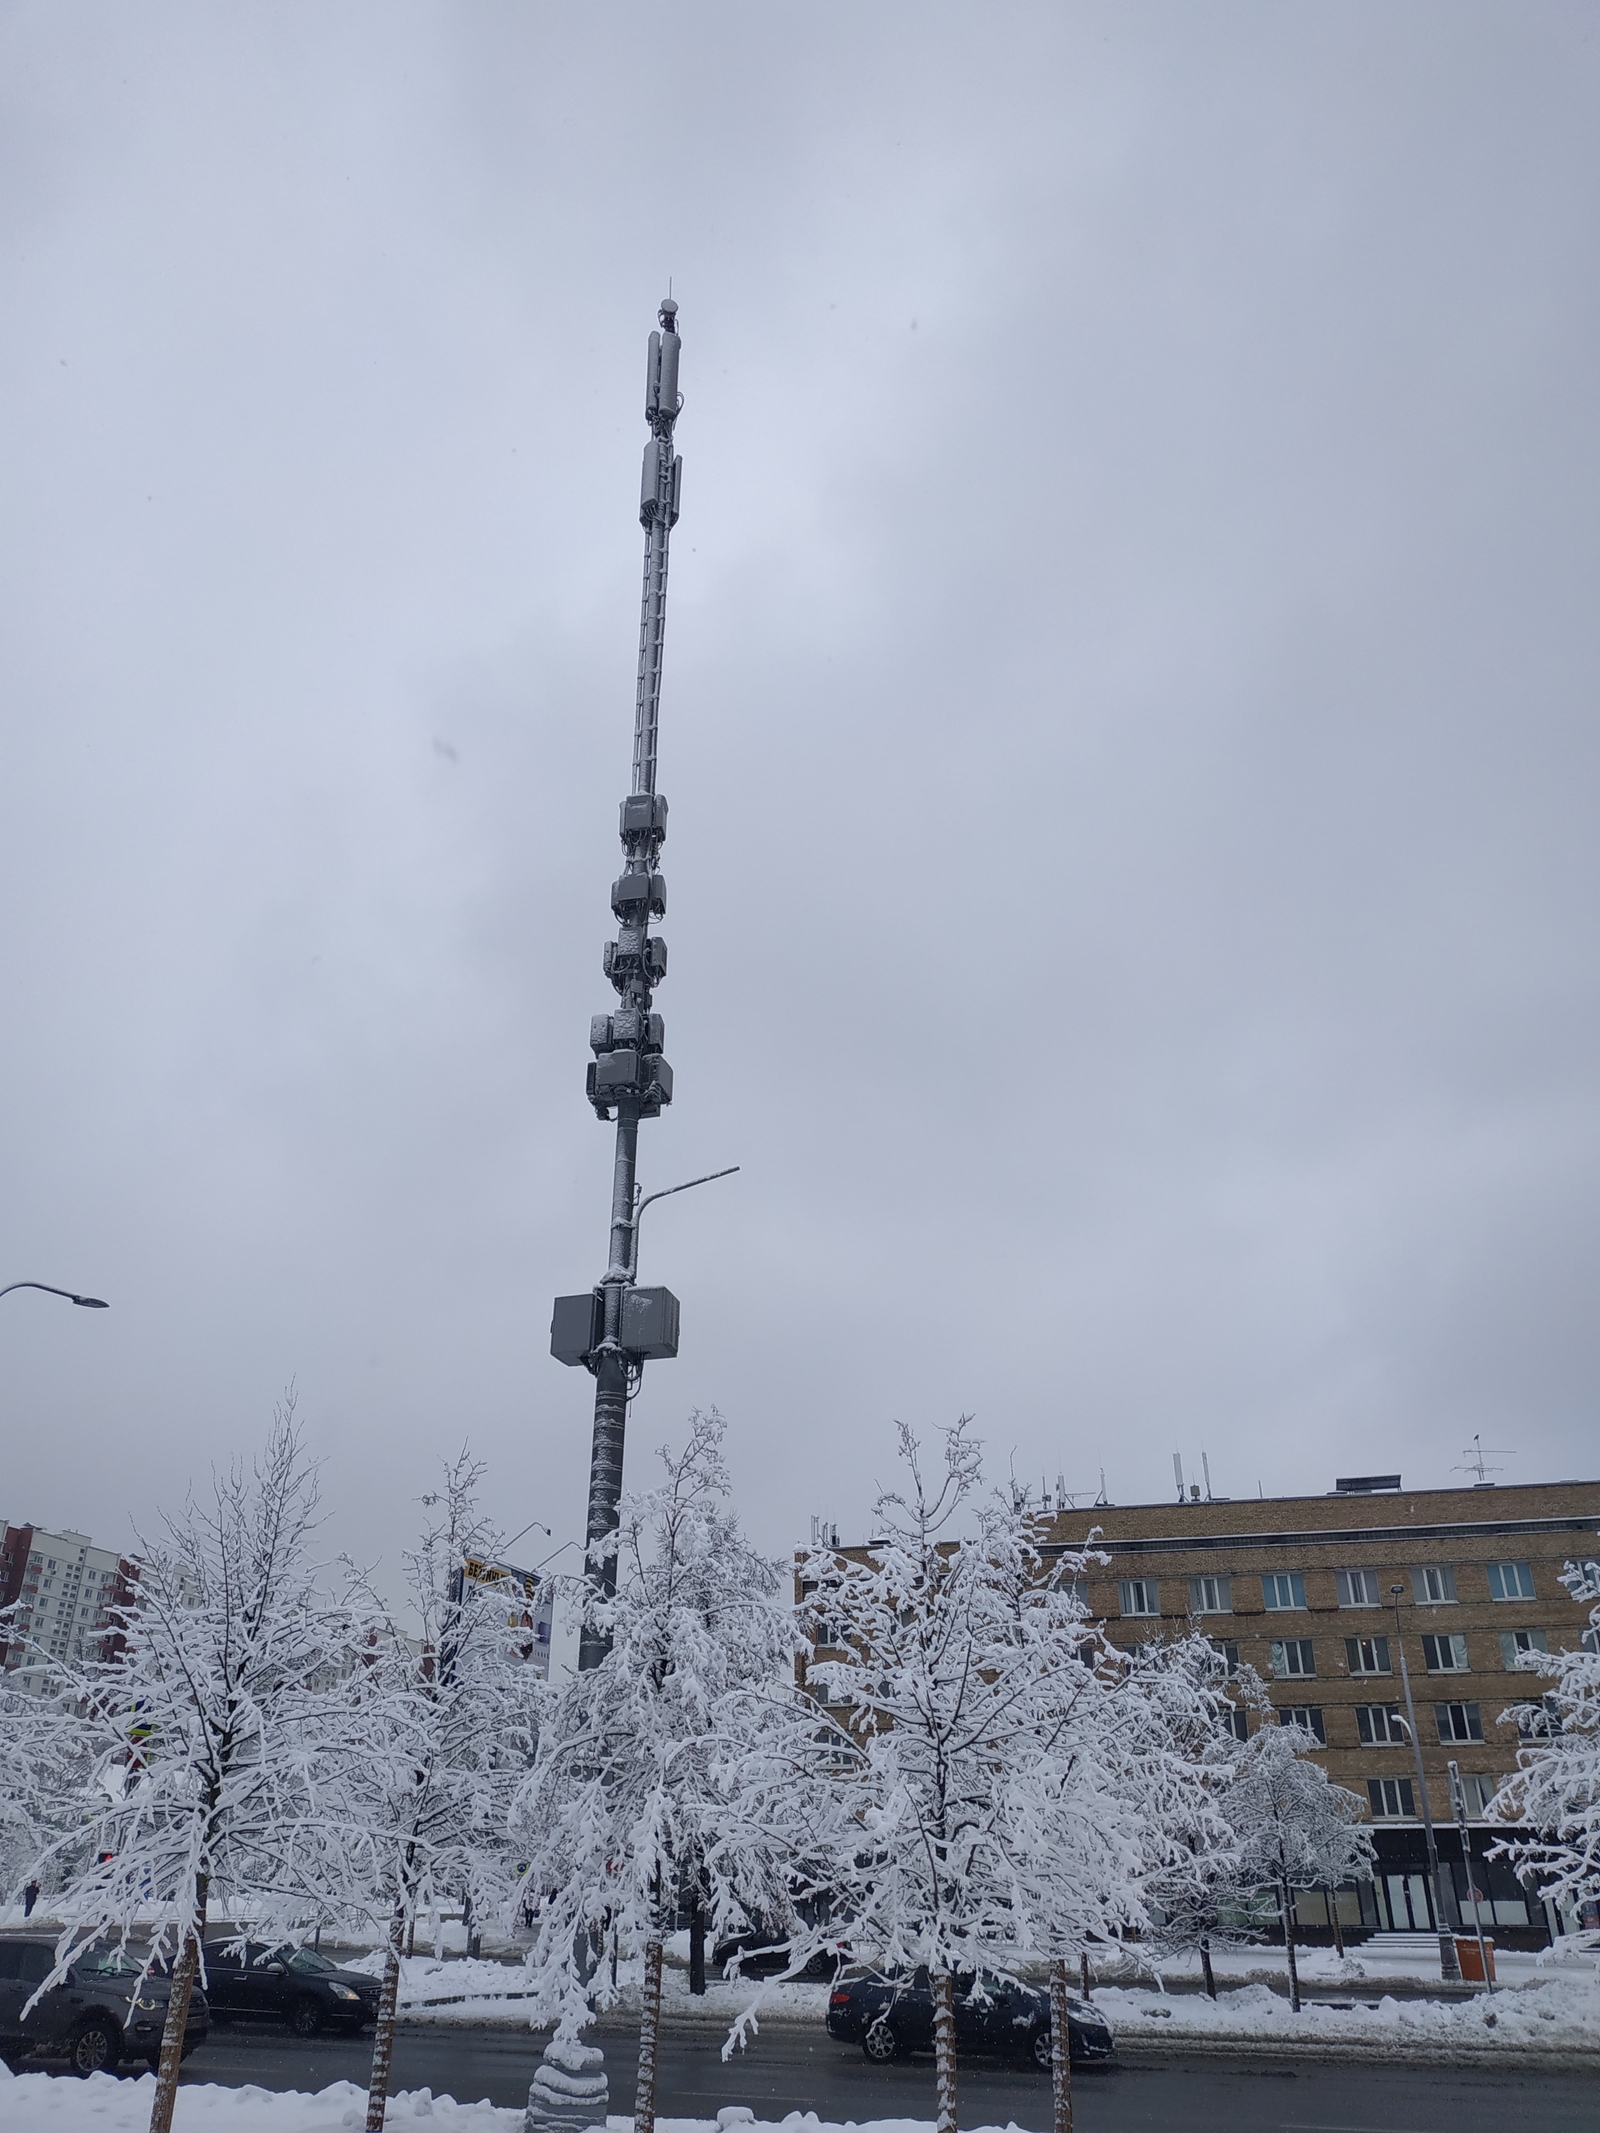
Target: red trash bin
{"x":1467,"y":1957}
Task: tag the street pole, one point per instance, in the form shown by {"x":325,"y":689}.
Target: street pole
{"x":1449,"y":1968}
{"x":88,"y":1303}
{"x":1458,"y":1802}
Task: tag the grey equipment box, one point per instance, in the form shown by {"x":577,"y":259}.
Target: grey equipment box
{"x":650,"y":1324}
{"x":577,"y":1326}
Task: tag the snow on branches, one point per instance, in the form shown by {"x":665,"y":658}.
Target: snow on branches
{"x":1555,"y":1792}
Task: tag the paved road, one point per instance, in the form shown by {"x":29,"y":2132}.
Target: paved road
{"x":790,"y":2070}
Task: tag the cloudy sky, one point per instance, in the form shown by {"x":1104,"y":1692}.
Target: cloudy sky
{"x":1129,"y":725}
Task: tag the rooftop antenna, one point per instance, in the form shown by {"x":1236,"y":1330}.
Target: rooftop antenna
{"x":615,"y":1328}
{"x":1205,"y":1464}
{"x":1177,"y":1468}
{"x":1102,"y":1502}
{"x":1476,"y":1457}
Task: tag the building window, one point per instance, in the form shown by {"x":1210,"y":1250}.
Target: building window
{"x":1539,"y":1721}
{"x":1308,"y":1717}
{"x":1511,"y":1581}
{"x":1433,"y":1585}
{"x":1445,"y":1655}
{"x":1227,"y":1656}
{"x":1479,"y":1791}
{"x":1237,"y":1720}
{"x":1380,"y":1725}
{"x":1211,"y":1596}
{"x":1077,"y":1590}
{"x":1514,"y":1642}
{"x":1459,"y":1721}
{"x":1391,"y":1798}
{"x":1367,"y":1655}
{"x":1357,"y":1588}
{"x":1293,"y":1659}
{"x":1281,"y":1590}
{"x":1138,"y":1596}
{"x":1590,"y":1640}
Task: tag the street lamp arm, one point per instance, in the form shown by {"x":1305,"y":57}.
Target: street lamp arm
{"x":666,"y":1193}
{"x":89,"y":1303}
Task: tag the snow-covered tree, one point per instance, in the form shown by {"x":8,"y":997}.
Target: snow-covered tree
{"x":1295,"y":1828}
{"x":441,"y":1730}
{"x":1012,"y":1780}
{"x":1555,"y":1791}
{"x":674,"y":1756}
{"x":209,"y":1744}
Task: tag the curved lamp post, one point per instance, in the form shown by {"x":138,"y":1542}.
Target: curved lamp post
{"x":89,"y":1303}
{"x":1449,"y":1967}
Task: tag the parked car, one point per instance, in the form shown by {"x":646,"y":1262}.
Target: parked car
{"x":890,"y":2014}
{"x":759,"y":1956}
{"x":293,"y":1985}
{"x":101,"y":2012}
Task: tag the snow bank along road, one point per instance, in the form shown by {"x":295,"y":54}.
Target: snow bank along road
{"x":790,"y":2070}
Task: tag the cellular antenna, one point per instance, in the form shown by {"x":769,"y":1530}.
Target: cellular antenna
{"x":616,"y":1327}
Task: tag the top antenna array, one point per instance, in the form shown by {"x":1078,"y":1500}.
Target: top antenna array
{"x":658,"y":513}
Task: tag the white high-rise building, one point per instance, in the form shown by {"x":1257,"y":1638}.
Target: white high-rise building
{"x":59,"y":1588}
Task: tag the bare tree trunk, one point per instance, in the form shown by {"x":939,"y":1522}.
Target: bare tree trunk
{"x":1205,"y":1965}
{"x":1083,"y":1967}
{"x":1288,"y":1942}
{"x":411,"y":1937}
{"x":944,"y":2050}
{"x":1333,"y":1920}
{"x":184,"y":1973}
{"x":383,"y":2023}
{"x":697,"y":1938}
{"x":1060,"y":2047}
{"x":644,"y":2095}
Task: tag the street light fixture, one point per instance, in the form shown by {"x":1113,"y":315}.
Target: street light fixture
{"x":89,"y":1303}
{"x":1449,"y":1967}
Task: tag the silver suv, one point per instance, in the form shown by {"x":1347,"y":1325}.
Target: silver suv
{"x":98,"y":2014}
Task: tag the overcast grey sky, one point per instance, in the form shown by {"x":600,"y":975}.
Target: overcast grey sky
{"x":1129,"y":724}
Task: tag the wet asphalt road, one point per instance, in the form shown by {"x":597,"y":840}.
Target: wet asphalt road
{"x":789,"y":2069}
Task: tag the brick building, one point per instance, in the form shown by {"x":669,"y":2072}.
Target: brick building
{"x":1301,"y":1589}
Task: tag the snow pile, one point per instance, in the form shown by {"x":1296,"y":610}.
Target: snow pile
{"x":1563,"y":2015}
{"x":103,"y":2104}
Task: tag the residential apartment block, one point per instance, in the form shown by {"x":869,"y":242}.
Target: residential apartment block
{"x":1303,"y":1590}
{"x":62,"y":1587}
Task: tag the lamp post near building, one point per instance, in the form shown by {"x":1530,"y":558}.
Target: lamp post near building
{"x":1458,"y":1801}
{"x":1449,"y":1967}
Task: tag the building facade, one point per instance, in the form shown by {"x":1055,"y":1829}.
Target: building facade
{"x":1303,"y":1590}
{"x":62,"y":1589}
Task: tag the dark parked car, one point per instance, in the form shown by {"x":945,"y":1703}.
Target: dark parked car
{"x":890,"y":2015}
{"x":293,"y":1985}
{"x":100,"y":2013}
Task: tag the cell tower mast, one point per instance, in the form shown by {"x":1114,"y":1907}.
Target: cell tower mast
{"x":616,"y":1327}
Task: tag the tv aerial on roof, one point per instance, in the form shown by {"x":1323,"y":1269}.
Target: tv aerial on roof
{"x":1476,"y":1460}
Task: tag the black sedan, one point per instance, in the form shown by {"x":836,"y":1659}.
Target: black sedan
{"x":293,"y":1985}
{"x":890,"y":2015}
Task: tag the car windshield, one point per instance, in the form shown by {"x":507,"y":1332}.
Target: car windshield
{"x":108,"y":1962}
{"x":305,"y":1959}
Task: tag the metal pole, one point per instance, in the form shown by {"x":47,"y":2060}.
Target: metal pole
{"x":1449,"y":1968}
{"x":1458,"y":1801}
{"x":89,"y":1303}
{"x":630,"y":1075}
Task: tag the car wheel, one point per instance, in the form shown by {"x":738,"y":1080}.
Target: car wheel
{"x":1043,"y":2048}
{"x":94,"y":2048}
{"x":880,"y":2043}
{"x":305,"y":2018}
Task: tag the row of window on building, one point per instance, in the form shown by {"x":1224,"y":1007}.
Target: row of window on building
{"x":1378,"y":1725}
{"x":1295,"y":1658}
{"x":1284,"y":1591}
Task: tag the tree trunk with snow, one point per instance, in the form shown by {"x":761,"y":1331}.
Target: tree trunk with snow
{"x":944,"y":2051}
{"x":1060,"y":2047}
{"x":644,"y":2095}
{"x":183,"y":1976}
{"x":1333,"y":1920}
{"x":383,"y":2025}
{"x":1288,"y":1942}
{"x":1083,"y":1966}
{"x":1205,"y":1967}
